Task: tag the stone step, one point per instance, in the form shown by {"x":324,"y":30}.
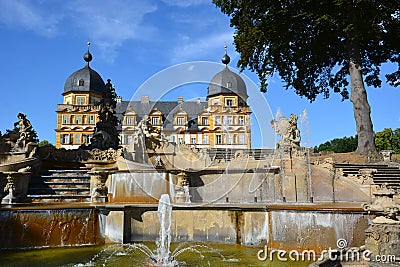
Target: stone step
{"x":39,"y":198}
{"x":63,"y":171}
{"x":387,"y":175}
{"x":59,"y":183}
{"x":59,"y":189}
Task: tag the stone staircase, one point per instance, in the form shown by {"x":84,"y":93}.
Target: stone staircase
{"x":384,"y":174}
{"x":60,"y":186}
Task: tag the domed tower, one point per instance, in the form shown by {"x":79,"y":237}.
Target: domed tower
{"x":77,"y":116}
{"x":227,"y":83}
{"x":227,"y":106}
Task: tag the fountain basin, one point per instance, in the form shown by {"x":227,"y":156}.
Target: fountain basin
{"x":16,"y":162}
{"x":46,"y":226}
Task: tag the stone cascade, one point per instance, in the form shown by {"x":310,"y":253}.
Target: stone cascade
{"x":380,"y":173}
{"x":60,"y":186}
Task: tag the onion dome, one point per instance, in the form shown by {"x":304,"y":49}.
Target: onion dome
{"x":85,"y":79}
{"x":227,"y":82}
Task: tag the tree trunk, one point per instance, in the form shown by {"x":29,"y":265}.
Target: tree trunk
{"x":362,"y":111}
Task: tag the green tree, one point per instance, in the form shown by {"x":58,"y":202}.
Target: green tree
{"x":314,"y":46}
{"x":388,"y":139}
{"x":44,"y":143}
{"x":339,"y":145}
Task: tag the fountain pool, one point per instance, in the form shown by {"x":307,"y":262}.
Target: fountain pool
{"x":203,"y":254}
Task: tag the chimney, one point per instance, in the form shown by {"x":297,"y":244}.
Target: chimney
{"x":198,"y":100}
{"x":180,"y":99}
{"x":119,"y":99}
{"x":145,"y":99}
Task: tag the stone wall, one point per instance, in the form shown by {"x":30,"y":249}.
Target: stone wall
{"x":285,"y":230}
{"x":49,"y":228}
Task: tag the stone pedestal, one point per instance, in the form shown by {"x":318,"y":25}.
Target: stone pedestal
{"x":383,"y":240}
{"x":15,"y":187}
{"x":182,"y":189}
{"x":387,"y":155}
{"x":98,"y":188}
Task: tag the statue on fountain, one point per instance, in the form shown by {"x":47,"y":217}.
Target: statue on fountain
{"x":148,"y":135}
{"x":105,"y":135}
{"x":22,"y":138}
{"x":288,"y":131}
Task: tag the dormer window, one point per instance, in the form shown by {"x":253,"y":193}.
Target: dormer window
{"x":129,"y":120}
{"x":81,"y":82}
{"x":180,"y":121}
{"x":228,"y":85}
{"x":156,"y":121}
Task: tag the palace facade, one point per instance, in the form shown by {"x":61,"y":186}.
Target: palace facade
{"x":222,"y":121}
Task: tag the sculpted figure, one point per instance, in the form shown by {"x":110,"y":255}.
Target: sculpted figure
{"x":22,"y":133}
{"x":149,"y":134}
{"x":287,"y":129}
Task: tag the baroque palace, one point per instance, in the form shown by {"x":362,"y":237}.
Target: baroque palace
{"x":223,"y":121}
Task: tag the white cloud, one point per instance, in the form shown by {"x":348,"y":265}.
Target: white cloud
{"x":195,"y":49}
{"x":18,"y":13}
{"x":186,"y":3}
{"x":110,"y":23}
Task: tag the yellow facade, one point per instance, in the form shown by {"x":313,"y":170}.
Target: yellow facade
{"x":76,"y":119}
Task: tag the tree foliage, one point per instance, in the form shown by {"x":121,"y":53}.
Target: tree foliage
{"x":388,"y":139}
{"x":310,"y":43}
{"x":315,"y":45}
{"x":384,"y":140}
{"x":339,"y":145}
{"x":44,"y":143}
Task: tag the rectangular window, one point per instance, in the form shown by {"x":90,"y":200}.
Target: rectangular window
{"x":193,"y":140}
{"x":218,"y":139}
{"x":64,"y":138}
{"x":241,"y":120}
{"x":80,"y":100}
{"x":204,"y":121}
{"x":229,"y":120}
{"x":78,"y":119}
{"x":66,"y":119}
{"x":205,"y":139}
{"x":180,"y":140}
{"x":180,"y":121}
{"x":129,"y":121}
{"x":156,"y":121}
{"x":91,"y":119}
{"x":68,"y":100}
{"x":241,"y":139}
{"x":77,"y":138}
{"x":230,"y":139}
{"x":218,"y":120}
{"x":229,"y":102}
{"x":172,"y":138}
{"x":129,"y":139}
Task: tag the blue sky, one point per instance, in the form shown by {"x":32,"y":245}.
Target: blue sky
{"x":43,"y":42}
